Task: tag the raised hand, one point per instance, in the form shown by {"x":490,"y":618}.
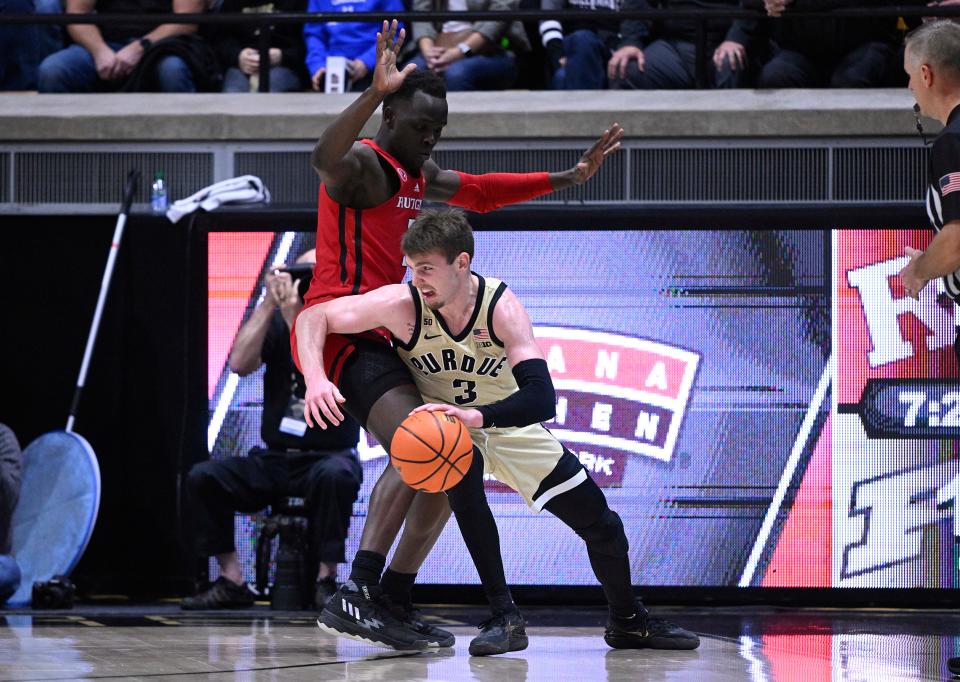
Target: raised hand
{"x":594,"y":157}
{"x":386,"y":77}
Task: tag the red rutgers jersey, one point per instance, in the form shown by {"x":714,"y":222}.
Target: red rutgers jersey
{"x":358,"y":249}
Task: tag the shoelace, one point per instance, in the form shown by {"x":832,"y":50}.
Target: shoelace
{"x":490,"y":622}
{"x":660,"y":625}
{"x":499,"y":619}
{"x":386,"y":607}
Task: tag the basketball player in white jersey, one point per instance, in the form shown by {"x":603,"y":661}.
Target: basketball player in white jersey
{"x":469,"y":344}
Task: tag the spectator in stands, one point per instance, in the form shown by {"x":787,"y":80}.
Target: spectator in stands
{"x":237,"y":45}
{"x":24,"y":46}
{"x":662,"y":55}
{"x":103,"y":57}
{"x":10,"y":463}
{"x":471,"y":55}
{"x":18,"y":49}
{"x":807,"y":52}
{"x":349,"y":39}
{"x":319,"y":465}
{"x":578,"y":51}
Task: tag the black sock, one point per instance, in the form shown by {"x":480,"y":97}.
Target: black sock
{"x":398,"y":586}
{"x":622,"y":613}
{"x":479,"y":531}
{"x":367,"y":567}
{"x":502,"y":603}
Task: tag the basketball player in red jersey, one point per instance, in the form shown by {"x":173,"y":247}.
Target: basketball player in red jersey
{"x":371,"y":191}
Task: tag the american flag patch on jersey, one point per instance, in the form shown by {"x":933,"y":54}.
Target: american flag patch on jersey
{"x":481,"y":335}
{"x":949,"y":183}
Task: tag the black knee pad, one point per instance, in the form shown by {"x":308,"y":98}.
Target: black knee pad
{"x":606,"y":535}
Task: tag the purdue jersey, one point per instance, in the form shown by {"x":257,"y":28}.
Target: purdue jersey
{"x":470,"y":369}
{"x":943,"y":192}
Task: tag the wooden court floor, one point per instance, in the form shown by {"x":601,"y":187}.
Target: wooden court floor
{"x":752,"y":644}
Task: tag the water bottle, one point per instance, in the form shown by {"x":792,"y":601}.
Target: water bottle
{"x":158,"y":193}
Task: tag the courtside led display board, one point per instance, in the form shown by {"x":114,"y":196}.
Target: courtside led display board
{"x":763,"y":408}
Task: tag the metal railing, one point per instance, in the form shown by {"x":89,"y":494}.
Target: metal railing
{"x":265,"y":22}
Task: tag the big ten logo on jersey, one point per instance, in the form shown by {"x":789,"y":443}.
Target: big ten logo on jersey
{"x":617,"y":396}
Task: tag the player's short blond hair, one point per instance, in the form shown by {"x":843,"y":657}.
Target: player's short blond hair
{"x":445,"y":230}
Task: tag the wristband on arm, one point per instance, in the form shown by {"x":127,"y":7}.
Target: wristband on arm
{"x":535,"y":402}
{"x":483,"y":193}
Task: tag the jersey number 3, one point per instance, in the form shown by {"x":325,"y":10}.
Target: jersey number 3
{"x":468,"y":395}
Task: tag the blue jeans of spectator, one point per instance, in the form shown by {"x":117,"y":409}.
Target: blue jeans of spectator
{"x":671,"y":65}
{"x":586,"y":62}
{"x":9,"y":577}
{"x":18,"y":48}
{"x":496,"y":71}
{"x":50,"y":36}
{"x":74,"y":70}
{"x":863,"y":67}
{"x":282,"y":79}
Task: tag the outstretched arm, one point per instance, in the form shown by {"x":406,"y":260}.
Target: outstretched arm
{"x":331,"y":156}
{"x":492,"y":190}
{"x":390,"y":306}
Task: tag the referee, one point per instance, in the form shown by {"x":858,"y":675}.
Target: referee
{"x":932,"y":60}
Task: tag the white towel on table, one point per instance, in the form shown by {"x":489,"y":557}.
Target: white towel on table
{"x":244,"y":189}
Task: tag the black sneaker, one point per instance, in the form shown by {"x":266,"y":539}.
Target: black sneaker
{"x":643,"y":632}
{"x":500,"y":634}
{"x":412,"y":617}
{"x":360,"y":613}
{"x":953,"y":665}
{"x":324,"y":590}
{"x":223,"y":594}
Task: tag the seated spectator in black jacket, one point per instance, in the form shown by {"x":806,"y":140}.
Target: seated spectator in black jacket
{"x":238,"y":47}
{"x":812,"y":52}
{"x":10,"y":463}
{"x":662,"y":55}
{"x":319,"y":465}
{"x":102,"y":58}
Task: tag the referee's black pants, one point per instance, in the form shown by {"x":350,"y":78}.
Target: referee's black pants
{"x":328,"y":481}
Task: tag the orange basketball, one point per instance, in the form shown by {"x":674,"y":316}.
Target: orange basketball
{"x":432,"y":451}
